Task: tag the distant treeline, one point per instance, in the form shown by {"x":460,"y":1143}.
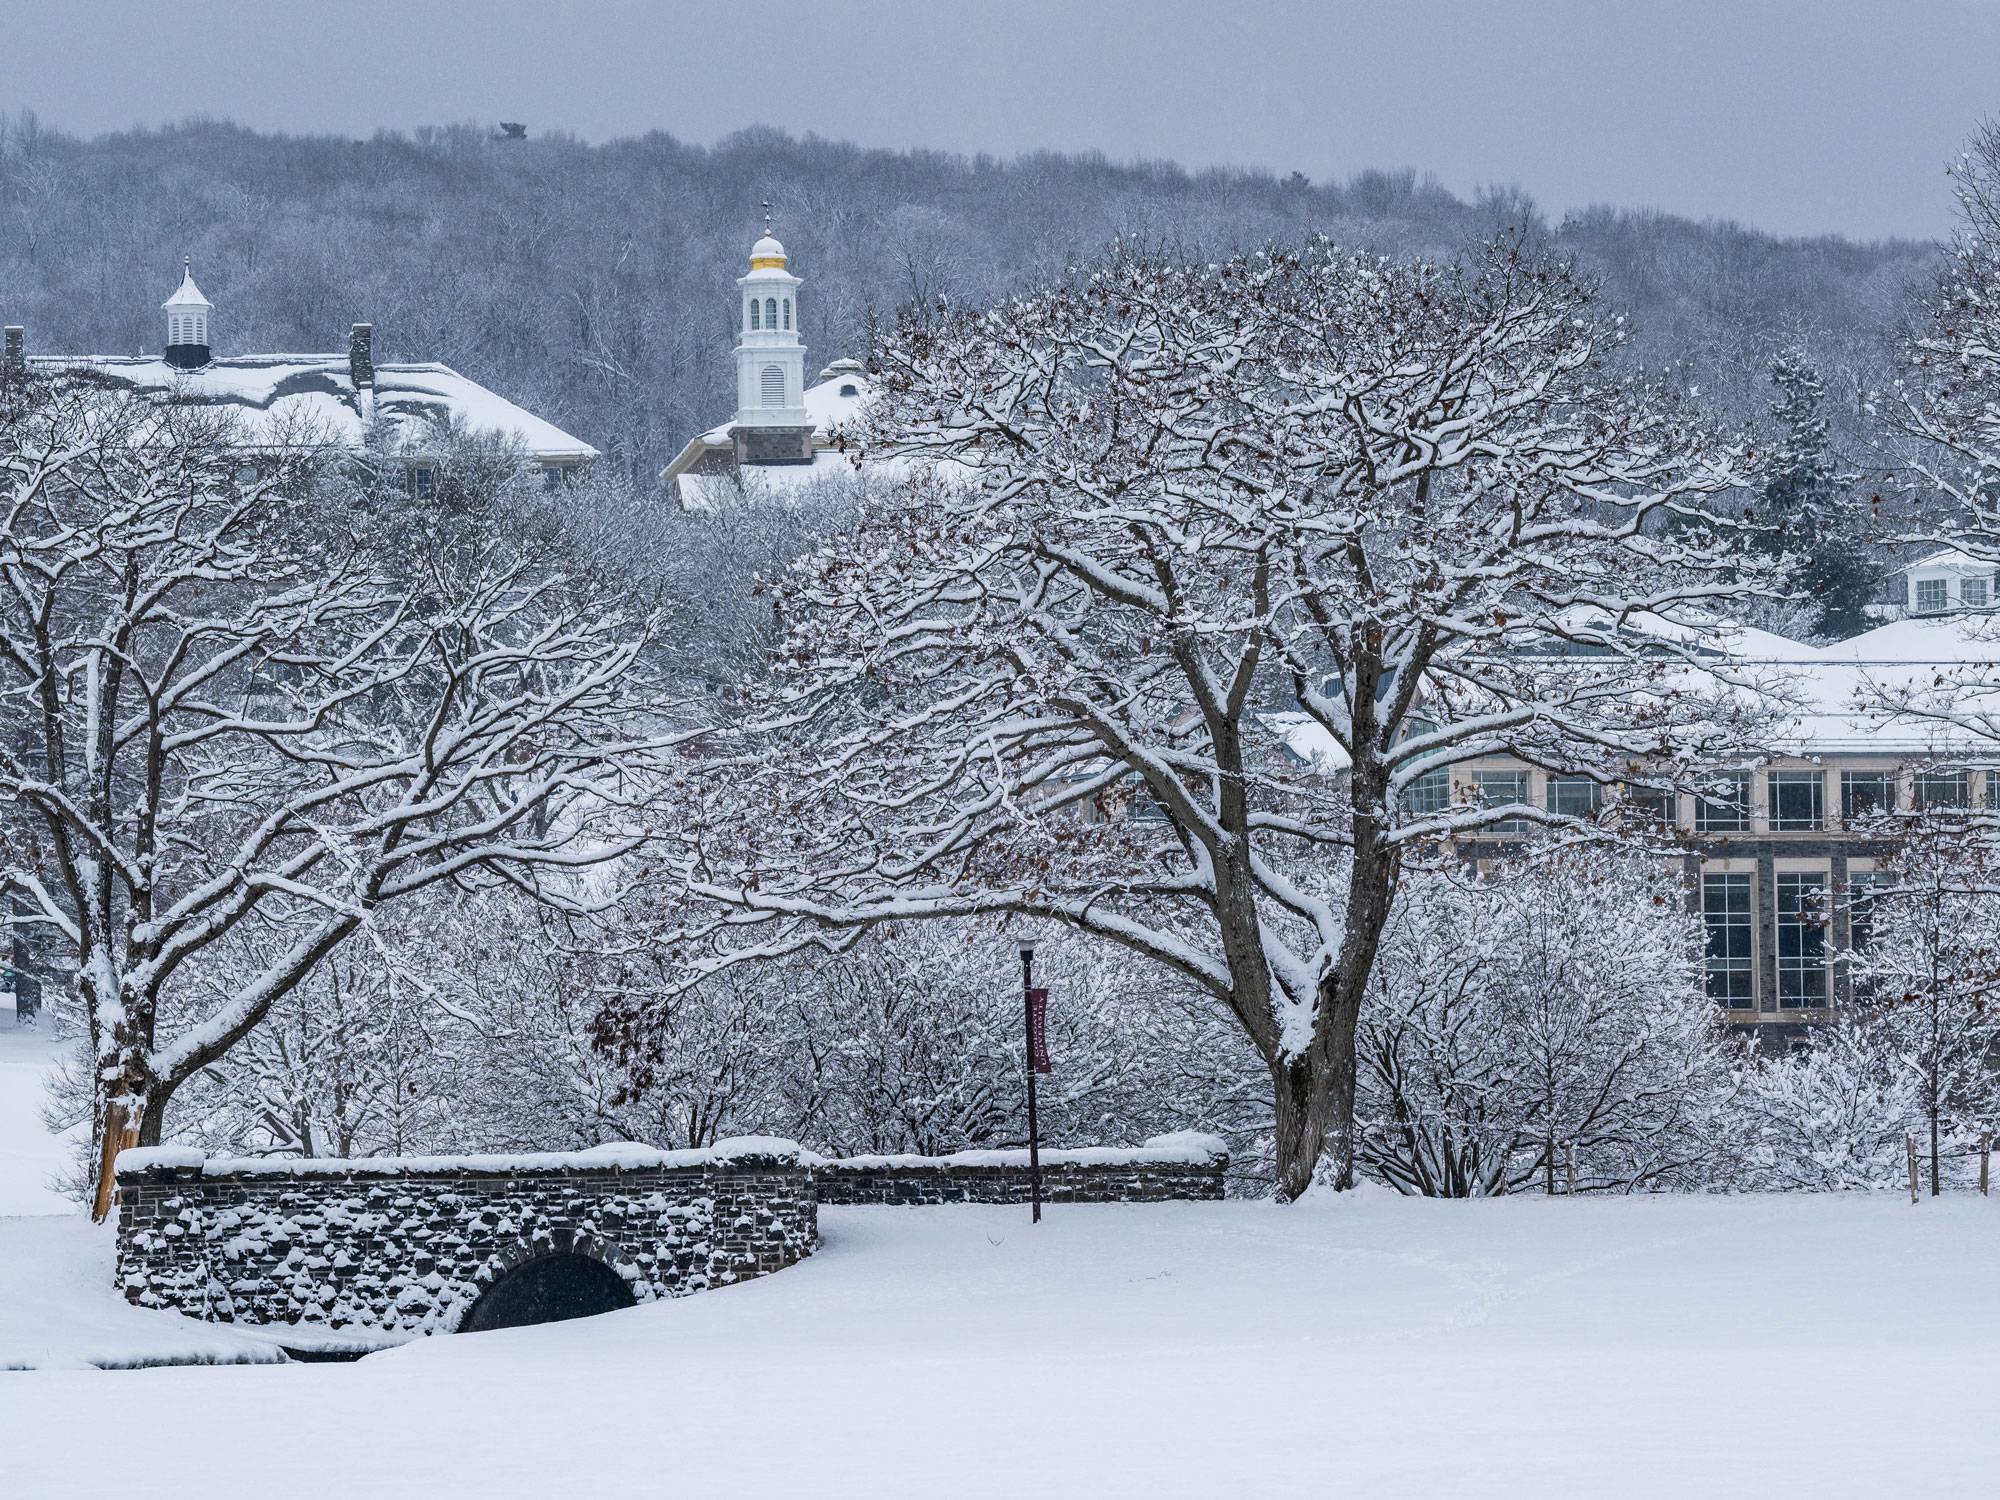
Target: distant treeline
{"x":593,"y":283}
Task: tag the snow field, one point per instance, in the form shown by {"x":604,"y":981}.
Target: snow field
{"x":1370,"y":1345}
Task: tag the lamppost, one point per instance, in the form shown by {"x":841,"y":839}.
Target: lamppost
{"x":1036,"y":1003}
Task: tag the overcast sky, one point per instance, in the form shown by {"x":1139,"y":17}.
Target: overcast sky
{"x":1834,"y":115}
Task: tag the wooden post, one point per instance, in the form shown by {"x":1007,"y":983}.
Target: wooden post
{"x":1910,"y":1150}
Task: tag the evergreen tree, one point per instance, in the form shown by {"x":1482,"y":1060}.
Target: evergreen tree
{"x":1806,"y":498}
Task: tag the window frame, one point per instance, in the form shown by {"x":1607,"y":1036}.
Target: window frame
{"x":1720,"y":961}
{"x":1921,"y":803}
{"x":1802,"y":941}
{"x":1524,"y":797}
{"x":1789,"y":778}
{"x":1965,"y":588}
{"x":1921,"y":591}
{"x":1706,"y":821}
{"x":1850,"y":780}
{"x":1593,"y":801}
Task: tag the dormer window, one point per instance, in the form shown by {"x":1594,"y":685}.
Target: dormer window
{"x":1931,"y":596}
{"x":1972,"y":593}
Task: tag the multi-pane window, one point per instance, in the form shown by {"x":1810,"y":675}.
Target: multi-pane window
{"x":1723,"y":803}
{"x":1574,"y":796}
{"x":1649,"y":807}
{"x":1931,"y":596}
{"x":770,"y":312}
{"x":1972,"y":593}
{"x":1864,"y":908}
{"x":1939,"y":789}
{"x":1866,"y":794}
{"x":423,"y":482}
{"x":1498,"y":789}
{"x":1726,"y":914}
{"x":1801,"y":934}
{"x":756,"y":315}
{"x":1797,"y":800}
{"x":788,"y":313}
{"x":1428,"y":794}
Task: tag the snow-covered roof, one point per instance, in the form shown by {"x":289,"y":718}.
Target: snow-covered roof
{"x":833,"y":402}
{"x":1950,"y":561}
{"x":187,"y":294}
{"x":287,"y":400}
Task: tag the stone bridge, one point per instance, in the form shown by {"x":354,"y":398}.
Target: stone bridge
{"x":345,"y":1252}
{"x":449,"y":1244}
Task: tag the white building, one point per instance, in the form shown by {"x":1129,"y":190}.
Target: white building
{"x":1946,"y":581}
{"x":285,"y":401}
{"x":786,"y":433}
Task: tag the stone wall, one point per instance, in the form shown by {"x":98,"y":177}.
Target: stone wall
{"x":411,"y":1243}
{"x":1165,"y":1169}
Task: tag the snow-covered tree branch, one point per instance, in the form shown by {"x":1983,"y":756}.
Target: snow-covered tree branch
{"x":226,"y":726}
{"x":1175,"y":516}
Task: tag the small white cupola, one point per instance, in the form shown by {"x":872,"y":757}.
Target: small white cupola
{"x":187,"y":322}
{"x":770,"y":358}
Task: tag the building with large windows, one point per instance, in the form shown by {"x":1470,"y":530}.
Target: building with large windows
{"x":1774,"y":852}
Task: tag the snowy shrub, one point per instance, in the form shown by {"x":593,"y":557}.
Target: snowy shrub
{"x":1547,"y":1014}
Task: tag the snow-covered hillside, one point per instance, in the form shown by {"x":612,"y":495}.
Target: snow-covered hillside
{"x":1370,"y":1345}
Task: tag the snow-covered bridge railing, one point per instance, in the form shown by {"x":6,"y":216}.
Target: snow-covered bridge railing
{"x":439,"y":1244}
{"x":1166,"y":1168}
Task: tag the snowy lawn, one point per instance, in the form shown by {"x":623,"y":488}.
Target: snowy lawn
{"x":29,"y":1156}
{"x":1373,"y":1346}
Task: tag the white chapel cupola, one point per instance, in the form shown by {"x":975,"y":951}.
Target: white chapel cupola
{"x":772,"y":423}
{"x":187,"y":322}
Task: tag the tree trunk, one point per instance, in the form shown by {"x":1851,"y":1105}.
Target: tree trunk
{"x":122,"y":1120}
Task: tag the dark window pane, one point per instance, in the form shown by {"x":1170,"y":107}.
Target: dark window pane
{"x":1498,"y":789}
{"x":1939,"y":789}
{"x":1796,"y":800}
{"x":1723,"y":803}
{"x":1801,"y":934}
{"x":1726,"y":914}
{"x":1867,"y":794}
{"x":1574,"y":796}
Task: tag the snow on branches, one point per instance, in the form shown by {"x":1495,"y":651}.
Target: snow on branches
{"x":230,"y":730}
{"x":1411,"y":502}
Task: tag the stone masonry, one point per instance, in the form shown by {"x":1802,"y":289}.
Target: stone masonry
{"x":1166,"y":1169}
{"x":411,"y":1243}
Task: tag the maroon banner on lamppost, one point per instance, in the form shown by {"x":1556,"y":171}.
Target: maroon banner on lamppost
{"x":1038,"y":1040}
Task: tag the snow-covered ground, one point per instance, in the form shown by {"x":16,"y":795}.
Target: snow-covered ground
{"x":1759,"y":1346}
{"x":1371,"y":1346}
{"x":29,"y":1156}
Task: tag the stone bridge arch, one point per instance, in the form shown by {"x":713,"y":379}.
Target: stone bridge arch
{"x":413,"y":1244}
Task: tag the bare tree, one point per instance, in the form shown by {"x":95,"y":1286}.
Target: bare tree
{"x":227,"y":731}
{"x":1405,"y":502}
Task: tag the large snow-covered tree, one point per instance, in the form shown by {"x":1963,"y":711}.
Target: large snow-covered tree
{"x":228,"y":734}
{"x":1411,"y":505}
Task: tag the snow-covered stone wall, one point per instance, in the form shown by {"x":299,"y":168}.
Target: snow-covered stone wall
{"x":1167,"y":1168}
{"x":411,"y":1243}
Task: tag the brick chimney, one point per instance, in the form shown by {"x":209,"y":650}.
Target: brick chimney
{"x":13,"y":363}
{"x":361,"y":364}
